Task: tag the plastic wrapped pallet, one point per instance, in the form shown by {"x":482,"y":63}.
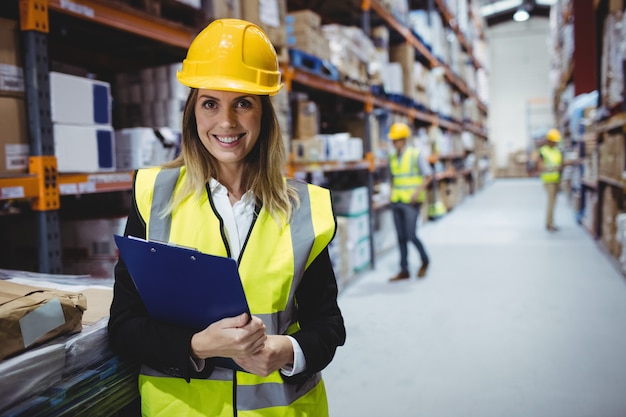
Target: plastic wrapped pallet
{"x":31,"y":315}
{"x":32,"y":372}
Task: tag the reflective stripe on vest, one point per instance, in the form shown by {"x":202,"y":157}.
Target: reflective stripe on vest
{"x":281,"y":253}
{"x":406,"y":176}
{"x":552,"y":158}
{"x":255,"y":396}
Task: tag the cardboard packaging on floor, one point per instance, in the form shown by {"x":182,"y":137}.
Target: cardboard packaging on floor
{"x":32,"y":315}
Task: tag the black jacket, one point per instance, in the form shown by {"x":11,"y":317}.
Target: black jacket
{"x":164,"y":347}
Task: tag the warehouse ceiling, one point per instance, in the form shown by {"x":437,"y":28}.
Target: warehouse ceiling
{"x":500,"y":11}
{"x":494,"y":11}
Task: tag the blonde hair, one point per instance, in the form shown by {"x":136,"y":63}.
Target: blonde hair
{"x":263,"y":165}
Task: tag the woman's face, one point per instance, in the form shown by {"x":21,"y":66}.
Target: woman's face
{"x":228,"y":123}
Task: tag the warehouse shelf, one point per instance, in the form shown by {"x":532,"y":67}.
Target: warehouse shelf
{"x":589,"y":184}
{"x":451,"y":156}
{"x":124,"y":18}
{"x":617,"y":121}
{"x":612,"y":182}
{"x":451,"y":21}
{"x":101,"y":182}
{"x":19,"y":187}
{"x":371,"y":101}
{"x":330,"y":166}
{"x":128,"y":19}
{"x":423,"y":50}
{"x":27,"y":186}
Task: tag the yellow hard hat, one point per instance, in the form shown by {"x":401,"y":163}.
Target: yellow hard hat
{"x":553,"y":135}
{"x":232,"y":55}
{"x":399,"y":131}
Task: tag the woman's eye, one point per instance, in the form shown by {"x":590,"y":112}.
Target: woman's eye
{"x":243,"y":104}
{"x":209,"y":104}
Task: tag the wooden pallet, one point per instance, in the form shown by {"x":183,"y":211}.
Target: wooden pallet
{"x":310,"y":63}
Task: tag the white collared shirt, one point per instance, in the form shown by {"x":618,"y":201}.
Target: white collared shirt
{"x":237,"y":221}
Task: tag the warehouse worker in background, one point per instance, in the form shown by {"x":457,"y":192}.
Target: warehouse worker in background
{"x":550,"y":165}
{"x":225,"y":195}
{"x":411,"y":175}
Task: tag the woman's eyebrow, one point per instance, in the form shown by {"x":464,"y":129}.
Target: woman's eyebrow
{"x":248,"y":96}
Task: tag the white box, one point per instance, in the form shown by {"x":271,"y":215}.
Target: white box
{"x":84,"y":148}
{"x":79,"y":101}
{"x":351,"y":202}
{"x":357,"y":228}
{"x":140,"y":147}
{"x":360,"y":255}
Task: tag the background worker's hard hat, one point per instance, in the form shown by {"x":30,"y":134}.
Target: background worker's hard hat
{"x":553,"y":135}
{"x":399,"y":131}
{"x":232,"y":55}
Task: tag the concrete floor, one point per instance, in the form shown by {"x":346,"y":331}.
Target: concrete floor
{"x":510,"y":321}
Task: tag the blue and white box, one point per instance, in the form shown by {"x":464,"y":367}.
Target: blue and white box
{"x":79,"y":101}
{"x":84,"y":148}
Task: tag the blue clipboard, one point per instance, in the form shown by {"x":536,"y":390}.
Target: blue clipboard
{"x":183,"y":286}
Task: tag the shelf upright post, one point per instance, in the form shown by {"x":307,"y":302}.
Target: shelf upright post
{"x":365,"y":17}
{"x":42,"y":162}
{"x":367,"y":142}
{"x":367,"y":150}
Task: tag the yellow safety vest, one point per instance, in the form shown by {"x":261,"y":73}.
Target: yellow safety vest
{"x":406,"y":176}
{"x":272,"y":262}
{"x":552,"y":159}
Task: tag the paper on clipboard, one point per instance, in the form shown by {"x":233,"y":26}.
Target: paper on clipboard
{"x":183,"y":286}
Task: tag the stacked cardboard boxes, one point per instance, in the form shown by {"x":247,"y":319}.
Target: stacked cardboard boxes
{"x":14,"y":147}
{"x":351,"y":246}
{"x":151,"y":97}
{"x":270,"y":15}
{"x":304,"y":32}
{"x":609,"y":227}
{"x":611,"y":154}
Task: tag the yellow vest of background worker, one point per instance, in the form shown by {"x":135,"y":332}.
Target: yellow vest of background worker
{"x":552,"y":159}
{"x":280,"y":258}
{"x":406,"y":176}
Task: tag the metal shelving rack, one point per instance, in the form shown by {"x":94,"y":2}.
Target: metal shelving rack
{"x":44,"y":186}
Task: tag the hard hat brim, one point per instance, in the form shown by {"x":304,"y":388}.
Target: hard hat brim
{"x":227,"y":84}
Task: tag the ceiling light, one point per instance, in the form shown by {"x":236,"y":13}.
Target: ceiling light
{"x":521,"y":15}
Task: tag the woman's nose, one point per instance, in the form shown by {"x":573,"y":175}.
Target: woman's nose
{"x":228,"y":118}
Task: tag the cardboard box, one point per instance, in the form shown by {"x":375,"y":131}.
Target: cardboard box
{"x":11,"y":70}
{"x":357,"y":228}
{"x":306,"y":119}
{"x":32,"y":315}
{"x":221,"y":9}
{"x":350,"y":202}
{"x":404,"y":54}
{"x":79,"y":101}
{"x":14,"y":146}
{"x":304,"y":18}
{"x":270,"y":16}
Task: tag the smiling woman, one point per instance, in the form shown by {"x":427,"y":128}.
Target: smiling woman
{"x":225,"y":195}
{"x":228,"y":126}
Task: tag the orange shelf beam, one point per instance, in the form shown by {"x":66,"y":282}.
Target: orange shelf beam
{"x":126,"y":19}
{"x":101,"y":182}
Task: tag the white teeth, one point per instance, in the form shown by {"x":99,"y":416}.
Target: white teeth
{"x":227,"y":139}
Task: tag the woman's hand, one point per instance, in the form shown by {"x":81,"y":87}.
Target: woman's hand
{"x":415,"y":197}
{"x":232,"y":337}
{"x":275,"y":354}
